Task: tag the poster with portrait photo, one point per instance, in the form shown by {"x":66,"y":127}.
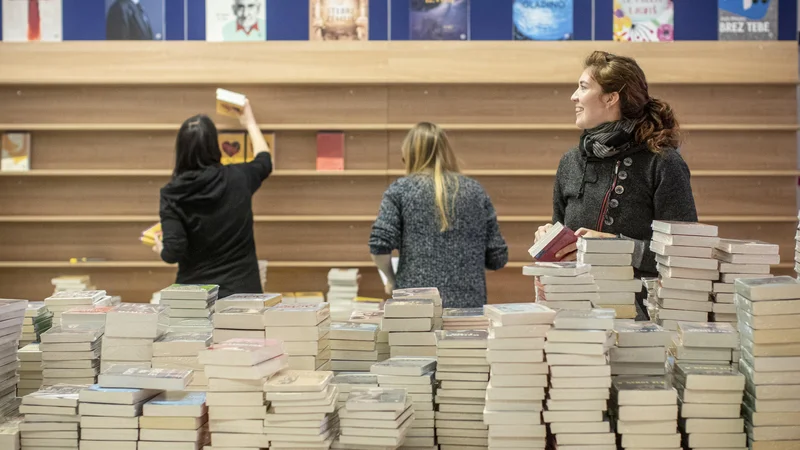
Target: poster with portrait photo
{"x":32,"y":20}
{"x":135,"y":20}
{"x":236,"y":20}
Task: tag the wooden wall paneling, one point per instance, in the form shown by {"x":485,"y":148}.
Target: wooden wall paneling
{"x":313,"y":241}
{"x":80,"y":150}
{"x":316,"y":279}
{"x":297,"y":150}
{"x":509,"y":285}
{"x":309,"y":195}
{"x":737,"y":150}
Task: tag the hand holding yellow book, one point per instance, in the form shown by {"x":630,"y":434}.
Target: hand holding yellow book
{"x":149,"y":235}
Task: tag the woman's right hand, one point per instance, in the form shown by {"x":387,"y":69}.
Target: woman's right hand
{"x":247,"y":118}
{"x":541,"y":231}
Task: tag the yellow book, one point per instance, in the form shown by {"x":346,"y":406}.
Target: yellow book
{"x":148,"y":236}
{"x":232,"y":145}
{"x":230,"y":103}
{"x":270,"y":138}
{"x":368,"y":299}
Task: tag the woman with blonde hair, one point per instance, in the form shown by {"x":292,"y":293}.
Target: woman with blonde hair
{"x":442,"y":223}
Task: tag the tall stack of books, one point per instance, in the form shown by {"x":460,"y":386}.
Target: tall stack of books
{"x":179,"y":350}
{"x":72,"y":283}
{"x":189,"y":301}
{"x":685,"y":262}
{"x":235,"y":322}
{"x":710,"y":403}
{"x":12,"y":314}
{"x":646,"y":413}
{"x":342,"y":290}
{"x":423,"y":293}
{"x":616,"y":287}
{"x":52,"y":409}
{"x":302,"y":410}
{"x":769,"y":311}
{"x":347,"y":381}
{"x":175,"y":420}
{"x":30,"y":369}
{"x":415,"y":376}
{"x":38,"y":319}
{"x":376,"y":418}
{"x":10,"y":430}
{"x":518,"y":376}
{"x":256,"y":301}
{"x":464,"y":319}
{"x":237,"y":370}
{"x":463,"y":373}
{"x":641,"y":349}
{"x":131,"y":329}
{"x":63,"y":300}
{"x":70,"y":355}
{"x":577,"y":352}
{"x":706,"y":343}
{"x":110,"y":417}
{"x":354,"y":346}
{"x":304,"y":329}
{"x":410,"y":326}
{"x":739,"y":259}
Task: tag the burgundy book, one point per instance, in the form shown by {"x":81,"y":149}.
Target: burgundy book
{"x":556,"y":238}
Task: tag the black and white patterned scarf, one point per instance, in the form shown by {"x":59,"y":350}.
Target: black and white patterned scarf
{"x":607,"y":139}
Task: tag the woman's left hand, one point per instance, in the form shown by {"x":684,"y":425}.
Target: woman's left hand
{"x":585,"y":232}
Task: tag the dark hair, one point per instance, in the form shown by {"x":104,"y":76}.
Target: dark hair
{"x":196,"y":146}
{"x":657,"y":126}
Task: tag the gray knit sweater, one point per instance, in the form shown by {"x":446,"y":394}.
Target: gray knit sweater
{"x":453,"y":261}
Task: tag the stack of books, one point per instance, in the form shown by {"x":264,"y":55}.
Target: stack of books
{"x":10,"y":430}
{"x":710,"y":404}
{"x":347,"y":381}
{"x":687,"y":268}
{"x":423,"y":293}
{"x":189,"y":301}
{"x":131,"y":329}
{"x":256,"y":301}
{"x":237,"y":371}
{"x":70,"y":355}
{"x":580,"y":377}
{"x":72,"y":283}
{"x":769,"y":311}
{"x":12,"y":314}
{"x":93,"y":316}
{"x":302,"y":410}
{"x":646,"y":413}
{"x":376,"y":418}
{"x":110,"y":417}
{"x":179,"y":350}
{"x":192,"y":326}
{"x":464,"y":319}
{"x":63,"y":300}
{"x":304,"y":329}
{"x":312,"y":297}
{"x":174,"y":420}
{"x":236,"y":322}
{"x":563,"y":285}
{"x":518,"y":376}
{"x":414,"y":376}
{"x":410,"y":326}
{"x":354,"y":346}
{"x":30,"y":369}
{"x":154,"y":379}
{"x":51,"y":417}
{"x":610,"y":260}
{"x":641,"y":349}
{"x":362,"y":303}
{"x":342,"y":290}
{"x":38,"y":319}
{"x":739,"y":259}
{"x":463,"y":374}
{"x":714,"y":343}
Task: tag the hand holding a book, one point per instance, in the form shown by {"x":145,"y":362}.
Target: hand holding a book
{"x":247,"y":118}
{"x":158,"y":244}
{"x":570,"y":252}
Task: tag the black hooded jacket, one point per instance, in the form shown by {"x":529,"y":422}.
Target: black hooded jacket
{"x":207,"y":221}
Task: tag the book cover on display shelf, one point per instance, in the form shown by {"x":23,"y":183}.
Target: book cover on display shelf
{"x":232,"y":145}
{"x":15,"y":152}
{"x":748,"y":20}
{"x":135,"y":20}
{"x":338,"y":20}
{"x":330,"y":150}
{"x":32,"y":20}
{"x":439,"y":20}
{"x":236,"y":20}
{"x":536,"y":20}
{"x":249,"y":154}
{"x":644,"y":20}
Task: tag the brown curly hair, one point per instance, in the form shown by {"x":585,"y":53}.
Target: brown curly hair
{"x":657,"y":126}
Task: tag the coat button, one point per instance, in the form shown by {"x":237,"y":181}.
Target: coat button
{"x":613,"y":203}
{"x":609,"y":220}
{"x":622,"y":175}
{"x":628,"y":162}
{"x":619,"y":190}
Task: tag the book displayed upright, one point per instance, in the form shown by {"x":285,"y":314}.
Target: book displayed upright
{"x":534,"y":20}
{"x":28,"y":21}
{"x":236,"y":22}
{"x":330,"y":150}
{"x":644,"y":20}
{"x":439,"y":20}
{"x":338,"y":20}
{"x":748,"y":20}
{"x":15,"y":152}
{"x":232,"y":145}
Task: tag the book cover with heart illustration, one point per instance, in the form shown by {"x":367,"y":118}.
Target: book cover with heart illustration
{"x":232,"y":145}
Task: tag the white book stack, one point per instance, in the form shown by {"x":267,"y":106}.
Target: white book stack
{"x":464,"y":319}
{"x":192,"y":326}
{"x":177,"y":350}
{"x":769,"y":314}
{"x":610,"y":260}
{"x":410,"y":326}
{"x":92,"y":316}
{"x":70,"y":355}
{"x":342,"y":291}
{"x":463,"y":374}
{"x":189,"y":301}
{"x":711,"y":343}
{"x":347,"y":381}
{"x":518,"y":375}
{"x":374,"y":317}
{"x":153,"y":379}
{"x":12,"y":314}
{"x":38,"y":319}
{"x":51,"y":418}
{"x":110,"y":417}
{"x":641,"y":349}
{"x":739,"y":259}
{"x":710,"y":400}
{"x":311,"y":297}
{"x":237,"y":370}
{"x":687,"y":269}
{"x":63,"y":300}
{"x":72,"y":283}
{"x":235,"y":322}
{"x":354,"y":346}
{"x":563,"y":285}
{"x":131,"y":329}
{"x":174,"y":421}
{"x":376,"y":418}
{"x":423,"y":293}
{"x":10,"y":431}
{"x":580,"y":378}
{"x":415,"y":377}
{"x":257,"y":301}
{"x":646,"y":413}
{"x":302,"y":410}
{"x":304,"y":329}
{"x":30,"y":369}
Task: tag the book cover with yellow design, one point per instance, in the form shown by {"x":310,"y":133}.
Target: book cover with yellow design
{"x":249,"y":152}
{"x":339,"y":20}
{"x":644,"y":20}
{"x":15,"y":154}
{"x":232,"y":145}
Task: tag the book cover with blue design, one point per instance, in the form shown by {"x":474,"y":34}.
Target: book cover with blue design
{"x":439,"y":20}
{"x":543,"y":20}
{"x":748,"y":20}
